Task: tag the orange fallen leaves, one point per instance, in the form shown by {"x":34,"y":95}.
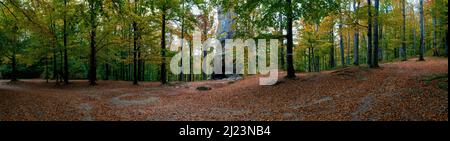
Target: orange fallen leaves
{"x":393,"y":92}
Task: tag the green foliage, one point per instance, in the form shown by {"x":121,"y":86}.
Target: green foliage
{"x":32,"y":31}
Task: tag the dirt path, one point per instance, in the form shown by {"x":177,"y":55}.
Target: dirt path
{"x":396,"y":91}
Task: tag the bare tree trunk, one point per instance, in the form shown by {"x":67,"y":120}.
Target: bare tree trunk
{"x":14,"y":53}
{"x":356,"y":38}
{"x":348,"y":47}
{"x":403,"y":50}
{"x":290,"y":42}
{"x":356,"y":49}
{"x":332,"y":60}
{"x":163,"y":48}
{"x":61,"y":67}
{"x":182,"y":75}
{"x":106,"y":67}
{"x":376,"y":44}
{"x":93,"y":51}
{"x":66,"y":60}
{"x":14,"y":65}
{"x":135,"y":50}
{"x":139,"y":63}
{"x":446,"y":43}
{"x":341,"y":45}
{"x":381,"y":41}
{"x":282,"y":61}
{"x":364,"y":47}
{"x":205,"y":53}
{"x":55,"y":67}
{"x":369,"y":36}
{"x":309,"y":59}
{"x":422,"y":36}
{"x":46,"y":69}
{"x":435,"y":49}
{"x":414,"y":41}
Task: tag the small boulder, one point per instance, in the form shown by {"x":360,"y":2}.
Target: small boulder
{"x":204,"y":88}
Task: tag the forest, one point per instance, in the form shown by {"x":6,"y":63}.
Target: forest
{"x":110,"y":60}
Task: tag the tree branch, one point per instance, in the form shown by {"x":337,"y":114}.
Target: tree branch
{"x":8,"y":10}
{"x":29,"y":17}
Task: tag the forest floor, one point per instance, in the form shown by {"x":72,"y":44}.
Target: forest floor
{"x":408,"y":90}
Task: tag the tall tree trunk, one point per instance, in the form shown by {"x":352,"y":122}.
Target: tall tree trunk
{"x":136,"y":63}
{"x":435,"y":49}
{"x":142,"y":70}
{"x":55,"y":54}
{"x":282,"y":61}
{"x":403,"y":50}
{"x":446,"y":43}
{"x":122,"y":71}
{"x":106,"y":67}
{"x":14,"y":53}
{"x":309,"y":59}
{"x":317,"y":63}
{"x":356,"y":49}
{"x":140,"y":64}
{"x":386,"y":43}
{"x":14,"y":65}
{"x":376,"y":44}
{"x":14,"y":68}
{"x":364,"y":42}
{"x":380,"y":40}
{"x":369,"y":36}
{"x":55,"y":67}
{"x":356,"y":38}
{"x":182,"y":75}
{"x":283,"y":56}
{"x":341,"y":45}
{"x":414,"y":38}
{"x":163,"y":48}
{"x":422,"y":36}
{"x":93,"y":50}
{"x":54,"y":46}
{"x":92,"y":60}
{"x":348,"y":47}
{"x":313,"y":60}
{"x":190,"y":75}
{"x":61,"y":67}
{"x":332,"y":60}
{"x":414,"y":41}
{"x":205,"y":53}
{"x":290,"y":42}
{"x":66,"y":60}
{"x":135,"y":50}
{"x":46,"y":69}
